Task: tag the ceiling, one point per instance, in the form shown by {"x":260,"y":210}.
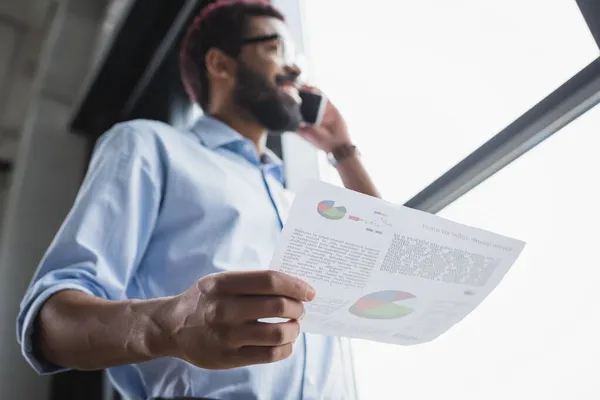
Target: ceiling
{"x":47,"y":51}
{"x":24,"y":29}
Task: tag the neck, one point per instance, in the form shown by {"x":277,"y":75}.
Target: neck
{"x":246,"y":127}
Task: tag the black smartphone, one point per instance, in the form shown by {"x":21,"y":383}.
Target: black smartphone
{"x":313,"y":107}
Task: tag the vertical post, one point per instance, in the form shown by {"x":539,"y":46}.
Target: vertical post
{"x":591,"y":13}
{"x":301,"y":158}
{"x":47,"y":174}
{"x":17,"y":379}
{"x":302,"y":161}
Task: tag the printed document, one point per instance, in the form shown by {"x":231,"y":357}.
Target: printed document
{"x":385,"y":272}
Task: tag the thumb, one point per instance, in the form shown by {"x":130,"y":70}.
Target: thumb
{"x":305,"y":129}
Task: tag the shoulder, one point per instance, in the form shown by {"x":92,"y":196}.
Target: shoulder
{"x":136,"y":134}
{"x":136,"y":145}
{"x":142,"y":137}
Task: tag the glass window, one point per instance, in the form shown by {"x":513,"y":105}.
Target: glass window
{"x":535,"y":336}
{"x":424,"y":83}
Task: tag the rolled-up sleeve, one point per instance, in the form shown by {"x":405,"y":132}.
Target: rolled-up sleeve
{"x":104,"y":236}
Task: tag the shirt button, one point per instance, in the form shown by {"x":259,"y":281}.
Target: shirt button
{"x":310,"y":380}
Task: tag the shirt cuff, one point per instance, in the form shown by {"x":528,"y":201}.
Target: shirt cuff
{"x":27,"y":325}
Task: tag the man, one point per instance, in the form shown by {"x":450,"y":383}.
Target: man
{"x":159,"y":271}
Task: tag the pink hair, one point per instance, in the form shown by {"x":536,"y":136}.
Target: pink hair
{"x":189,"y":71}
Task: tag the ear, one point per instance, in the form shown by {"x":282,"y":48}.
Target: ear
{"x":219,"y":65}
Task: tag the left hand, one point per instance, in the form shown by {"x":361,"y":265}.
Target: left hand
{"x":332,"y":131}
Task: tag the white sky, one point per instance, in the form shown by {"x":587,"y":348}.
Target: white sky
{"x":423,"y":84}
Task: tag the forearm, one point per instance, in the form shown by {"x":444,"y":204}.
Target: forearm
{"x":355,"y":177}
{"x":79,"y":331}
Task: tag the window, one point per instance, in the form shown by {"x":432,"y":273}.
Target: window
{"x":536,"y":335}
{"x":544,"y":317}
{"x":423,"y":84}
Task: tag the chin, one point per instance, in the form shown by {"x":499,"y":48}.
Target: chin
{"x":279,"y":129}
{"x":279,"y":118}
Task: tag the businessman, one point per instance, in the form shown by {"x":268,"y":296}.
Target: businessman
{"x":159,"y":272}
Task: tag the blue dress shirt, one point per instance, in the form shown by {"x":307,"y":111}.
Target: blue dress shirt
{"x":158,"y":209}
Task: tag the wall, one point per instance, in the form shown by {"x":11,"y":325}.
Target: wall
{"x":23,"y":26}
{"x":46,"y":53}
{"x":4,"y":184}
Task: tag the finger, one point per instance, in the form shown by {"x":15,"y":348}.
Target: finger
{"x":263,"y":283}
{"x":262,"y":334}
{"x":305,"y":130}
{"x":252,"y":308}
{"x":304,"y":126}
{"x":242,"y":309}
{"x":310,"y":88}
{"x":312,"y":131}
{"x":250,"y":355}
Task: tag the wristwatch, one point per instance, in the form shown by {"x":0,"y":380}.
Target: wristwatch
{"x":341,"y":152}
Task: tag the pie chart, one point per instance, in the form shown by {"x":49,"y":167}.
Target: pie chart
{"x":327,"y":209}
{"x":387,"y":304}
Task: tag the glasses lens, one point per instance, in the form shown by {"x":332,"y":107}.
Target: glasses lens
{"x":301,"y":64}
{"x":287,"y":52}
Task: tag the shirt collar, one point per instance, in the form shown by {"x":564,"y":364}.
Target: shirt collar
{"x":216,"y":134}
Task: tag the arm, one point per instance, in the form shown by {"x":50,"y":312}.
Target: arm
{"x":84,"y":332}
{"x":355,"y":177}
{"x":333,"y":134}
{"x":76,"y":313}
{"x":211,"y":325}
{"x":92,"y":258}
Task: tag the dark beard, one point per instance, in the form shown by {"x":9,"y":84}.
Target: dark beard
{"x":269,"y":105}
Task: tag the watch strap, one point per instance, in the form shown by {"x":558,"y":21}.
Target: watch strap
{"x":341,"y":152}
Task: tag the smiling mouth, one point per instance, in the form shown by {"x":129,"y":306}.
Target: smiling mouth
{"x":292,"y":92}
{"x":289,"y":86}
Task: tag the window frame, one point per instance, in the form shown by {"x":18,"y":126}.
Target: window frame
{"x":302,"y":160}
{"x":567,"y":103}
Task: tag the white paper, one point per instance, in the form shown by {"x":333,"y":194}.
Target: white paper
{"x":385,"y":272}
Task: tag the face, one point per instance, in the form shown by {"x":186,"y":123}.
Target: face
{"x":266,"y":77}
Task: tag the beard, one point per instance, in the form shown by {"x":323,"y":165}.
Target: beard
{"x":266,"y":103}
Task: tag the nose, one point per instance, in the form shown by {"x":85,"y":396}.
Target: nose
{"x":293,"y":70}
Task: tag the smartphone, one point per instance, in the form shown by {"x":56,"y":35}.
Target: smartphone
{"x":313,"y":107}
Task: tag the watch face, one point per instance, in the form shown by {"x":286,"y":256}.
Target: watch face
{"x":331,"y":159}
{"x":342,"y":152}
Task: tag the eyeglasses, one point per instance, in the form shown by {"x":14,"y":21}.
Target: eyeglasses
{"x":289,"y":53}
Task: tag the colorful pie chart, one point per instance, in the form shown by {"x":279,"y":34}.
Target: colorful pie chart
{"x":327,"y":209}
{"x":387,"y":304}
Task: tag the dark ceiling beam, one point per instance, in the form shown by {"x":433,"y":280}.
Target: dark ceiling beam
{"x":565,"y":104}
{"x":134,"y":48}
{"x":5,"y":166}
{"x":591,"y":13}
{"x":170,"y":39}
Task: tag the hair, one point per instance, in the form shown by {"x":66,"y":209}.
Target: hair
{"x":220,"y":25}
